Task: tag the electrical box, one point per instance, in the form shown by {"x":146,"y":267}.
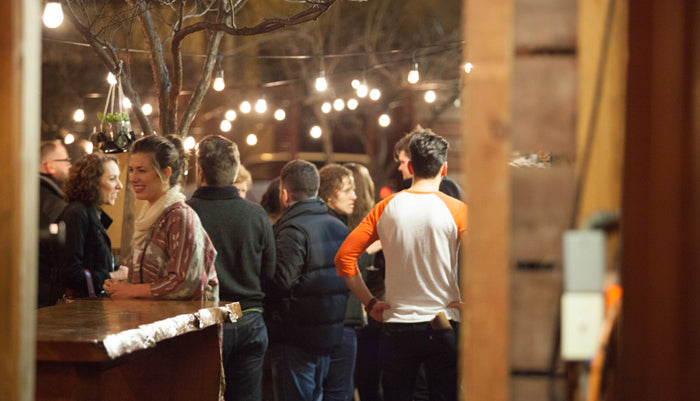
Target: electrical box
{"x":584,"y":260}
{"x":581,"y":321}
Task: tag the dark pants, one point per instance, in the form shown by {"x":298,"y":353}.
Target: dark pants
{"x":367,"y":371}
{"x":338,"y":385}
{"x":245,"y":343}
{"x":405,"y":346}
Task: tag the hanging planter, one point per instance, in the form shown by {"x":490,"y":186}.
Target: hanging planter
{"x":115,"y":134}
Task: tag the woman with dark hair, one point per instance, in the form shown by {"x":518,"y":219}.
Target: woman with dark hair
{"x":86,"y":259}
{"x":270,"y":200}
{"x":337,"y":189}
{"x":171,"y":255}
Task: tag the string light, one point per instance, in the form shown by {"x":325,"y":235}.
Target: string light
{"x":315,"y":132}
{"x":413,"y":75}
{"x":79,"y":115}
{"x":375,"y":94}
{"x":251,"y":139}
{"x":339,"y":104}
{"x":53,"y":15}
{"x":430,"y":96}
{"x":321,"y":83}
{"x":111,"y":79}
{"x":468,"y":67}
{"x":69,"y":139}
{"x":189,"y":143}
{"x":147,"y":109}
{"x":352,"y":104}
{"x":384,"y":120}
{"x":127,"y":103}
{"x":280,"y":115}
{"x":219,"y":83}
{"x":261,"y":106}
{"x":225,"y":126}
{"x":230,"y":115}
{"x":326,"y":107}
{"x":355,"y":83}
{"x":245,"y":107}
{"x":88,"y":147}
{"x":362,"y":90}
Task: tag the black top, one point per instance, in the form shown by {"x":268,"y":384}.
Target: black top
{"x":51,"y":203}
{"x":306,"y":304}
{"x":242,"y":236}
{"x":87,"y":247}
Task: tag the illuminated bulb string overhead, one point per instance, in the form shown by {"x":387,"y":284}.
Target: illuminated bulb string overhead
{"x":53,"y":15}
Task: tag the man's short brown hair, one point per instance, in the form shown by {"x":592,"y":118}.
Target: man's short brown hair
{"x":403,"y":144}
{"x":219,"y":160}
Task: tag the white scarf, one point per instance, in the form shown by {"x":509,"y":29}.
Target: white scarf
{"x":149,"y":214}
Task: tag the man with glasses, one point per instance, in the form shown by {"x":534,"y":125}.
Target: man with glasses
{"x":53,"y":171}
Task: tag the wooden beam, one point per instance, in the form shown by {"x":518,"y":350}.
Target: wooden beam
{"x":19,"y":191}
{"x":484,"y":356}
{"x":660,"y":337}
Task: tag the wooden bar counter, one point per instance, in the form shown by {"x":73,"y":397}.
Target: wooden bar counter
{"x":130,"y":350}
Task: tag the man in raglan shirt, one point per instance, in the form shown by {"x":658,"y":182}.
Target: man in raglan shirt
{"x":420,"y":229}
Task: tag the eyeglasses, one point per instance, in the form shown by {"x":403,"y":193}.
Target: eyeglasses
{"x":68,"y":160}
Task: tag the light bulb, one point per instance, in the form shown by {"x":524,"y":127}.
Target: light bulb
{"x":468,"y":67}
{"x":53,"y":15}
{"x":111,"y":79}
{"x":413,"y":75}
{"x":430,"y":96}
{"x":219,"y":84}
{"x":261,"y":106}
{"x":69,"y":139}
{"x":315,"y":132}
{"x":352,"y":104}
{"x":189,"y":143}
{"x":326,"y":107}
{"x":280,"y":115}
{"x":355,"y":83}
{"x":225,"y":126}
{"x":251,"y":139}
{"x":384,"y":120}
{"x":245,"y":107}
{"x":339,"y":104}
{"x":79,"y":115}
{"x":126,"y":103}
{"x":88,"y":147}
{"x":147,"y":109}
{"x":230,"y":115}
{"x":375,"y":94}
{"x":362,"y":90}
{"x":321,"y":83}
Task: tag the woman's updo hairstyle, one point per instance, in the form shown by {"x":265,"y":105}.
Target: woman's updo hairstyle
{"x":167,"y":151}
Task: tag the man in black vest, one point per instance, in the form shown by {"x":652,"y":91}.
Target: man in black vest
{"x":53,"y":171}
{"x":305,"y":307}
{"x":242,"y":236}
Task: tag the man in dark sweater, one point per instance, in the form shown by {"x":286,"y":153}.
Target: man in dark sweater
{"x":53,"y":169}
{"x":305,"y":308}
{"x":242,"y":236}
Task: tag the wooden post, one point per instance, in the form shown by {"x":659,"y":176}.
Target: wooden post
{"x":660,"y":333}
{"x":485,"y":365}
{"x":20,"y":64}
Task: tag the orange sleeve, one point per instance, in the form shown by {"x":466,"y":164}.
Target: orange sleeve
{"x":357,"y":242}
{"x":458,"y":210}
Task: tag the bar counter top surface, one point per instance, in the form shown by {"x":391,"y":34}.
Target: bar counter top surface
{"x":104,"y":329}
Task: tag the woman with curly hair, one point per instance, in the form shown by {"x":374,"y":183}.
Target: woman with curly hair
{"x":171,"y":255}
{"x":86,"y":259}
{"x":337,"y":189}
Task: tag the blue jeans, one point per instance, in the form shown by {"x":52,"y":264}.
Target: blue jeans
{"x":339,"y":384}
{"x":405,"y":346}
{"x":297,"y":375}
{"x":245,"y":343}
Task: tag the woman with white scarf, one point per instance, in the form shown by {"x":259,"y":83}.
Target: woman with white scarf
{"x":171,"y":254}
